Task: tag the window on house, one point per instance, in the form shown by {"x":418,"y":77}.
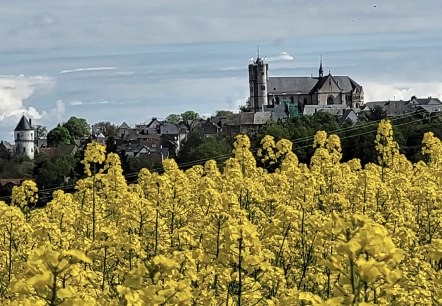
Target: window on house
{"x":330,"y":100}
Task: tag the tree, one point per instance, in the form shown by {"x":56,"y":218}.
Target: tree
{"x":246,"y":107}
{"x":189,"y":115}
{"x":211,"y":147}
{"x":77,"y":127}
{"x":173,"y":118}
{"x":374,"y":114}
{"x":135,"y":164}
{"x":275,"y":129}
{"x":40,"y":132}
{"x":106,"y":128}
{"x":223,"y":113}
{"x":19,"y":166}
{"x":51,"y":171}
{"x":59,"y":135}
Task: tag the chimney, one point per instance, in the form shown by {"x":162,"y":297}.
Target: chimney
{"x":30,"y":122}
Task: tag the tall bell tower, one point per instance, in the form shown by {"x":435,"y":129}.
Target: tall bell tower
{"x":258,"y":79}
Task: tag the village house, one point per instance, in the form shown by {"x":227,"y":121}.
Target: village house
{"x":423,"y":107}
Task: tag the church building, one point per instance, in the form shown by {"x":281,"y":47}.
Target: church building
{"x":267,"y":92}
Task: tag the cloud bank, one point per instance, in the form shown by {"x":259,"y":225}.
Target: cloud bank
{"x":14,"y":92}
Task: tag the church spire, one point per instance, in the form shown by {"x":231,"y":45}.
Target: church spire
{"x":321,"y":70}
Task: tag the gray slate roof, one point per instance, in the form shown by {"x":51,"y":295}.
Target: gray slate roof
{"x":248,"y":118}
{"x":306,"y":85}
{"x":335,"y":109}
{"x":291,"y":85}
{"x":426,"y":101}
{"x":392,"y":108}
{"x":23,"y":125}
{"x":124,"y":126}
{"x":169,"y":128}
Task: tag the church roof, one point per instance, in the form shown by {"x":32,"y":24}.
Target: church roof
{"x":291,"y":85}
{"x":305,"y":85}
{"x":23,"y":125}
{"x":346,"y":83}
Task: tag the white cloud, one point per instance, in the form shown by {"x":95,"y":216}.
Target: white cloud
{"x":14,"y":90}
{"x":283,"y":56}
{"x":401,"y":91}
{"x":88,"y":69}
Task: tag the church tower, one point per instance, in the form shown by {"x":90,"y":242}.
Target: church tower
{"x":24,"y":138}
{"x":321,"y":70}
{"x":258,"y":79}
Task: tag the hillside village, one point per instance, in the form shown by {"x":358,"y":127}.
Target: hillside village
{"x":272,"y":99}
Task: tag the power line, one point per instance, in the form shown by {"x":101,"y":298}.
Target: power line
{"x":299,"y":140}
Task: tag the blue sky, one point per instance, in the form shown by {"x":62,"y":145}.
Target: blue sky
{"x":135,"y":59}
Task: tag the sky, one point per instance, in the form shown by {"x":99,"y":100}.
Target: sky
{"x":129,"y":61}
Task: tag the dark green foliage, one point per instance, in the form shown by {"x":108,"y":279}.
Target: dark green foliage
{"x":189,"y":115}
{"x":223,"y":113}
{"x":357,"y":140}
{"x":377,"y":113}
{"x":173,"y":118}
{"x":197,"y":148}
{"x":133,"y":165}
{"x":210,"y":147}
{"x":59,"y":135}
{"x":78,"y":127}
{"x":40,"y":131}
{"x":52,"y":171}
{"x":18,"y":167}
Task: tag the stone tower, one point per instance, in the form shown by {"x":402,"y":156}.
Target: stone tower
{"x":24,"y":138}
{"x":258,"y":79}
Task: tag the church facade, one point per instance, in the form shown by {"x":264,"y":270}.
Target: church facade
{"x":267,"y":92}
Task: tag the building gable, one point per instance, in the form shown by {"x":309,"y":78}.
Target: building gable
{"x":327,"y":85}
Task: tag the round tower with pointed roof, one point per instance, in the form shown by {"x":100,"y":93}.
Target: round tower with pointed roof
{"x":24,"y":138}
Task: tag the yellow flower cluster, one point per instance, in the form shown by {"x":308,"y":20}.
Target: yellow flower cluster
{"x":327,"y":233}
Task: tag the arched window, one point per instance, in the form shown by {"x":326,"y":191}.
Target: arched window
{"x":330,"y":100}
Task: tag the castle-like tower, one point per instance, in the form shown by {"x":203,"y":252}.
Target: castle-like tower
{"x":24,"y":138}
{"x":258,"y":79}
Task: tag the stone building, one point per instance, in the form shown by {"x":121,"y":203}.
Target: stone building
{"x":267,"y":92}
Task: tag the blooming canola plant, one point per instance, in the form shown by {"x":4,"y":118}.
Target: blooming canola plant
{"x":327,"y":233}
